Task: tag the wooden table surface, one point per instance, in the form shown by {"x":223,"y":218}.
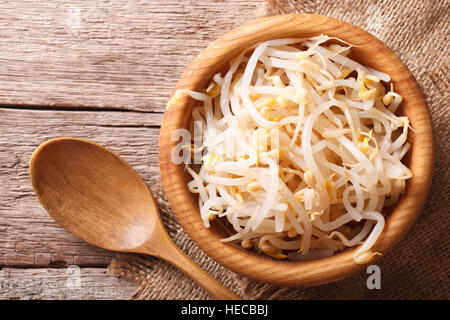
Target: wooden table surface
{"x":100,"y":70}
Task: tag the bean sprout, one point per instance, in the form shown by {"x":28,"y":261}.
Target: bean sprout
{"x":301,"y":149}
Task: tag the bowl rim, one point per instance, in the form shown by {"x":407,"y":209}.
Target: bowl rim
{"x":257,"y":266}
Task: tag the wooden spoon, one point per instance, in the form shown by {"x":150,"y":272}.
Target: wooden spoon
{"x":97,"y":196}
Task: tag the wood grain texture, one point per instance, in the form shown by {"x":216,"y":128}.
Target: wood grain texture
{"x":28,"y":235}
{"x":124,"y":54}
{"x":96,"y":55}
{"x":96,"y":195}
{"x":368,"y":51}
{"x":51,"y":283}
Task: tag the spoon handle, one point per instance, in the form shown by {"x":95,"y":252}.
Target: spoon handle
{"x":179,"y":259}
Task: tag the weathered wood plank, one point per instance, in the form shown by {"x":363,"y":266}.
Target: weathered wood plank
{"x":61,"y":283}
{"x":117,"y":54}
{"x":28,"y":235}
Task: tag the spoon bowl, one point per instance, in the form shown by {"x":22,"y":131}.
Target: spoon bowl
{"x":101,"y":199}
{"x":72,"y":176}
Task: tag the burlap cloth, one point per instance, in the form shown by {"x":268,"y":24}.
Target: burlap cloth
{"x":418,"y":268}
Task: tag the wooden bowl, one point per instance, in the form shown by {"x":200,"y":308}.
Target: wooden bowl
{"x":371,"y":52}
